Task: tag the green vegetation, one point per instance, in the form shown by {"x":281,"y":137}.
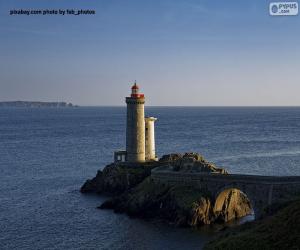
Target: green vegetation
{"x":280,"y":231}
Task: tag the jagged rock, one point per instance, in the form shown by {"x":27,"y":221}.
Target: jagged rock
{"x":194,"y":162}
{"x":109,"y":204}
{"x":232,"y":204}
{"x":196,"y":156}
{"x":137,"y":195}
{"x":170,"y":157}
{"x":202,"y":212}
{"x":115,"y":179}
{"x":180,"y":205}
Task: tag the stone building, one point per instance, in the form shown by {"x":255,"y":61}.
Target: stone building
{"x":140,"y":137}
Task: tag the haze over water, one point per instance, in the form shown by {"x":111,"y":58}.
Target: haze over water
{"x":47,"y":154}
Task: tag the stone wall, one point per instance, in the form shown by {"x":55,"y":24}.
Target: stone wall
{"x":261,"y":190}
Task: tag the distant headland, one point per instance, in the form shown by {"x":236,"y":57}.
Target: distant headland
{"x":29,"y":104}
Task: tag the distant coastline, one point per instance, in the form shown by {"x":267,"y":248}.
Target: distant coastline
{"x":29,"y":104}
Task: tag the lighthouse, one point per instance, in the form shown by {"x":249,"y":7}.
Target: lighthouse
{"x":140,"y":138}
{"x":135,"y":126}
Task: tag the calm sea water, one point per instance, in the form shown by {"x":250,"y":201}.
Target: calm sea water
{"x":47,"y":154}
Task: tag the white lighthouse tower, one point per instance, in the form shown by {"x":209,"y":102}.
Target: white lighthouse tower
{"x":150,"y":138}
{"x":135,"y":129}
{"x":140,"y":138}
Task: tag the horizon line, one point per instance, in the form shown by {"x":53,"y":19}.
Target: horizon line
{"x":197,"y":106}
{"x":166,"y":106}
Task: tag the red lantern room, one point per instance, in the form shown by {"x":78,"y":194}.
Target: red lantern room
{"x":135,"y":91}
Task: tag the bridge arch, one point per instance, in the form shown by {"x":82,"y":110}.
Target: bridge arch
{"x":262,"y":191}
{"x":240,"y":191}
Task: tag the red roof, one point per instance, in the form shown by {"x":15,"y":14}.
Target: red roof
{"x":137,"y":95}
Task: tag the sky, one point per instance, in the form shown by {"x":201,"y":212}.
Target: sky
{"x":180,"y":52}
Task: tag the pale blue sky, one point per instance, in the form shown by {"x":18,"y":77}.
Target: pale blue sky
{"x":180,"y":52}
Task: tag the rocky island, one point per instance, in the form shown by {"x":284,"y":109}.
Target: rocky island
{"x":135,"y":193}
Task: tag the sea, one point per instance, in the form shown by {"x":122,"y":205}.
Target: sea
{"x":46,"y":154}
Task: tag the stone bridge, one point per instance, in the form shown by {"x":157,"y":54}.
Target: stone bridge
{"x":260,"y":190}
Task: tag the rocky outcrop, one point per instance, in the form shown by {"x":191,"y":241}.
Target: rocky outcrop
{"x":231,"y":204}
{"x":116,"y":179}
{"x":182,"y":206}
{"x":137,"y":195}
{"x":170,"y":158}
{"x":189,"y":162}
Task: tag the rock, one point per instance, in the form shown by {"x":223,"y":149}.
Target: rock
{"x":202,"y":212}
{"x":182,"y":206}
{"x":115,"y":179}
{"x":109,"y":204}
{"x":170,"y":157}
{"x":136,"y":194}
{"x":194,"y":162}
{"x":231,"y":204}
{"x":196,"y":156}
{"x":93,"y":185}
